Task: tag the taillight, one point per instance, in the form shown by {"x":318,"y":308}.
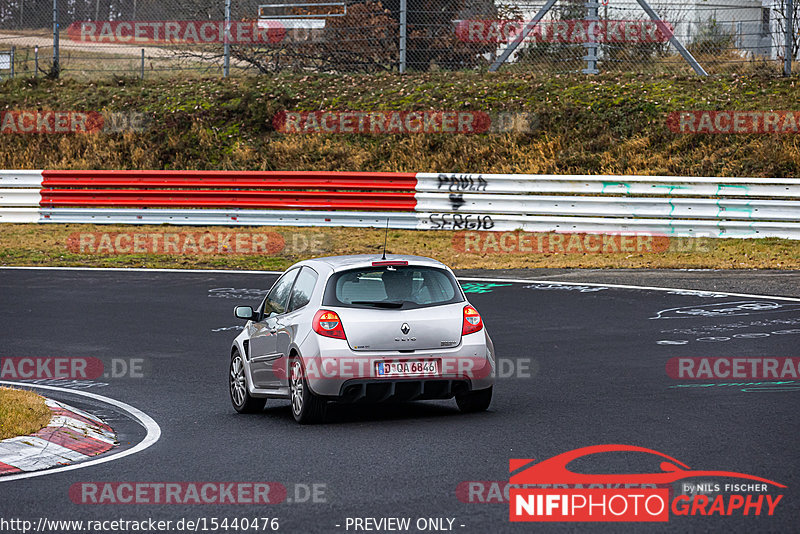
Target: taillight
{"x":472,"y":321}
{"x":328,"y":324}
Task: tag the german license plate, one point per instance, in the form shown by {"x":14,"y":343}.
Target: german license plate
{"x":407,"y":368}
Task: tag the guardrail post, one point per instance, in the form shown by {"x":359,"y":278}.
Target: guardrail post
{"x":403,"y":34}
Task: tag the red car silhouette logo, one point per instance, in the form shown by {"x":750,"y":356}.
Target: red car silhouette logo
{"x":554,"y":470}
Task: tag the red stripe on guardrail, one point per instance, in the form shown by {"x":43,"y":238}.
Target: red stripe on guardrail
{"x":231,"y":189}
{"x":222,"y":199}
{"x":382,"y":181}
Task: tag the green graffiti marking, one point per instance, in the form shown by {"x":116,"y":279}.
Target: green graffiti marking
{"x":616,"y":185}
{"x":480,"y":287}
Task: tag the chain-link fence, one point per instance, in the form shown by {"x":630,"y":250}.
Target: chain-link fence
{"x":148,"y":37}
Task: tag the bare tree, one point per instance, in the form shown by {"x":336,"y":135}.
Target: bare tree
{"x":778,"y":37}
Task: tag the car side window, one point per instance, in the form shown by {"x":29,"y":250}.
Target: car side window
{"x":301,"y":294}
{"x":278,"y":296}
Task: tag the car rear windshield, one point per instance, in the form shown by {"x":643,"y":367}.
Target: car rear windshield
{"x":392,"y":287}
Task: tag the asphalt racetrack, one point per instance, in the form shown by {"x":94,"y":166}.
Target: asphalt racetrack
{"x":587,"y":366}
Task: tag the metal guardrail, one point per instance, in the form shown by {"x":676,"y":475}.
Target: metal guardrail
{"x":31,"y":179}
{"x":213,"y":217}
{"x":210,"y":198}
{"x":609,"y":185}
{"x":215,"y":189}
{"x":19,"y":215}
{"x":664,"y":205}
{"x":284,"y":180}
{"x":680,"y":208}
{"x":20,"y":197}
{"x":610,"y":225}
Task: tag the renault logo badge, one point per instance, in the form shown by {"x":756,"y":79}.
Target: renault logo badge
{"x":405,"y":329}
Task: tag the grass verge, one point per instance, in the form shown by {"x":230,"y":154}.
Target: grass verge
{"x":21,"y":412}
{"x":60,"y":245}
{"x":610,"y":124}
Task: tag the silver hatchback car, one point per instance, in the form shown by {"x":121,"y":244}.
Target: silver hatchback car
{"x":361,"y":328}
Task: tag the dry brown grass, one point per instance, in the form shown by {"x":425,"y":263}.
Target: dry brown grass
{"x":22,"y":244}
{"x":21,"y":413}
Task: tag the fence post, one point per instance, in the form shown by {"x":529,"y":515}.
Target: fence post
{"x":226,"y":69}
{"x":403,"y":34}
{"x":54,"y":72}
{"x":35,"y":61}
{"x":739,"y":35}
{"x":787,"y":53}
{"x":591,"y":45}
{"x":142,"y":63}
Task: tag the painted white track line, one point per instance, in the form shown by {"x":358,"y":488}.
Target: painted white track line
{"x":625,"y":286}
{"x":466,"y":278}
{"x":140,"y":269}
{"x":153,"y":431}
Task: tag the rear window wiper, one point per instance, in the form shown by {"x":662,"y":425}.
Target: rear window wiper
{"x":378,"y":303}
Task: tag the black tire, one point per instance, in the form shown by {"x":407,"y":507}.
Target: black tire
{"x":237,"y":387}
{"x":307,"y":408}
{"x":475,"y":401}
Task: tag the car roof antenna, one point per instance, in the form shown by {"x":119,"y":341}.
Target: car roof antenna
{"x":385,"y":235}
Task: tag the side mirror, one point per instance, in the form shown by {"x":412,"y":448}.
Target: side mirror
{"x":244,"y":312}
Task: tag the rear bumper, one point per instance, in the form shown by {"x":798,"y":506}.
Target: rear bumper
{"x":407,"y":389}
{"x":342,"y":374}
